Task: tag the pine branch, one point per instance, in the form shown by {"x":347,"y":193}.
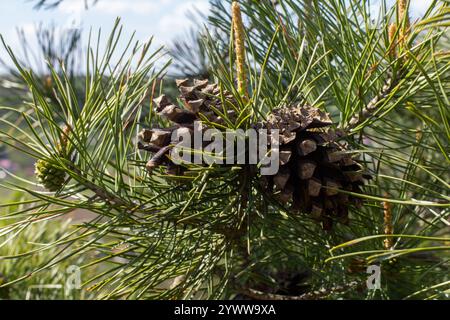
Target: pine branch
{"x":389,"y":85}
{"x":151,"y":227}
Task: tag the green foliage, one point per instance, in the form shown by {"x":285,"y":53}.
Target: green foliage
{"x":213,"y":233}
{"x":32,"y":242}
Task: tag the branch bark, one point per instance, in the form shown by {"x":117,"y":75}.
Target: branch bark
{"x":389,"y":85}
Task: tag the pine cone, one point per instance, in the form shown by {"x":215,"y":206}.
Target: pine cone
{"x":314,"y":165}
{"x":50,"y":176}
{"x":201,"y":100}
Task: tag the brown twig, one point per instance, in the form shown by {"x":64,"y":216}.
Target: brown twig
{"x":389,"y":85}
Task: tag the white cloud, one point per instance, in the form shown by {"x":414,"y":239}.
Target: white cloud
{"x":28,"y":30}
{"x":176,"y":21}
{"x":72,"y":6}
{"x":118,"y":7}
{"x":12,"y":40}
{"x":113,"y":7}
{"x":418,"y":8}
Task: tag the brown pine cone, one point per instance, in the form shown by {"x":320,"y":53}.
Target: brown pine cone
{"x":314,"y":166}
{"x":201,"y":100}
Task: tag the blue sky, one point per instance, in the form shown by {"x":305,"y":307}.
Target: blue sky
{"x":165,"y":19}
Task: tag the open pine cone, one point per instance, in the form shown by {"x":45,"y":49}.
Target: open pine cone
{"x":202,"y":101}
{"x":199,"y":98}
{"x":313,"y":165}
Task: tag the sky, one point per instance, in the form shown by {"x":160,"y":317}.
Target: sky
{"x":165,"y":19}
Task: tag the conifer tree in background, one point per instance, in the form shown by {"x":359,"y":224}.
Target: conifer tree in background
{"x":361,"y":99}
{"x":54,"y":45}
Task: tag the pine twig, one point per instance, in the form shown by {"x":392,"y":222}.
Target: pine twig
{"x":392,"y":41}
{"x":392,"y":80}
{"x":389,"y":85}
{"x":239,"y":40}
{"x":403,"y":17}
{"x":98,"y":191}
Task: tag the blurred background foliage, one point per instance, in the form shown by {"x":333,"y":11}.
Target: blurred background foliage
{"x":47,"y":284}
